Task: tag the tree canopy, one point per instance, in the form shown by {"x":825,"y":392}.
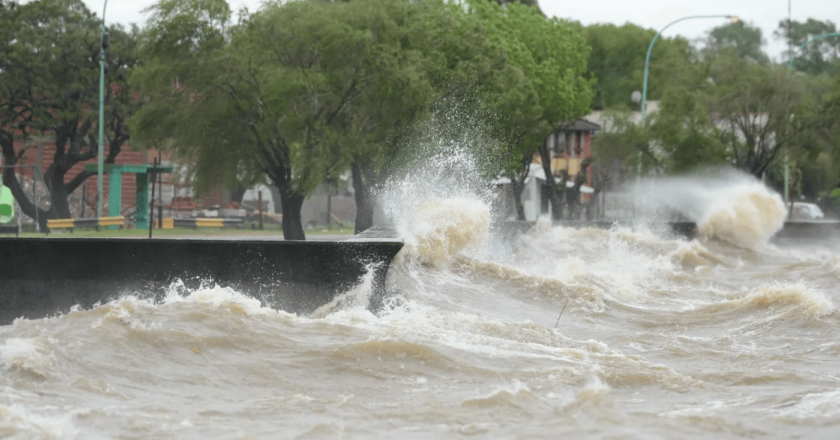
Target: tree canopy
{"x":617,"y":61}
{"x":745,"y":38}
{"x":820,"y":56}
{"x":50,"y":76}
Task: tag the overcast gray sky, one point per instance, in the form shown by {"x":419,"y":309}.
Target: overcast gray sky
{"x":648,"y":13}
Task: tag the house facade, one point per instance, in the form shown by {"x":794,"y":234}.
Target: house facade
{"x":569,"y":146}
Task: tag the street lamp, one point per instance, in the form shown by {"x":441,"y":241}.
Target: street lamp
{"x":102,"y":46}
{"x":801,"y":48}
{"x":732,"y":18}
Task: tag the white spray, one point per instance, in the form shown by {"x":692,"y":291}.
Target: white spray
{"x":727,"y":204}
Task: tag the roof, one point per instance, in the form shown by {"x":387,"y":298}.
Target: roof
{"x":579,"y":125}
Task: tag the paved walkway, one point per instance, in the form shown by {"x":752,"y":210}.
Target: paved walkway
{"x":250,"y":237}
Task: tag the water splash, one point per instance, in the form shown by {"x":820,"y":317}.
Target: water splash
{"x":747,"y":215}
{"x":725,"y":203}
{"x":440,"y":228}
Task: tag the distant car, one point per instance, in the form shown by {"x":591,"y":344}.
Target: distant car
{"x":806,"y":211}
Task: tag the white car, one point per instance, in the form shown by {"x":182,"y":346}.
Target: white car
{"x":806,"y":211}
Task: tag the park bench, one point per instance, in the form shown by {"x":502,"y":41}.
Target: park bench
{"x":95,"y":222}
{"x":196,"y":223}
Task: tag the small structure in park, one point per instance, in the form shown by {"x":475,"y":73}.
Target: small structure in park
{"x":7,"y":203}
{"x":142,"y":178}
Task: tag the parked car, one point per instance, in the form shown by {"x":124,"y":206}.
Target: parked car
{"x":806,"y":211}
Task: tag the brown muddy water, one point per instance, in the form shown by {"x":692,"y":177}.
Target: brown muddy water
{"x":660,"y":338}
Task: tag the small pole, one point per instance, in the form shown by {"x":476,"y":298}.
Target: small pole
{"x":152,"y":200}
{"x":561,"y":314}
{"x":19,"y":215}
{"x":160,"y":195}
{"x":261,"y":211}
{"x":101,"y":127}
{"x":84,"y":196}
{"x":329,"y":203}
{"x":34,"y":199}
{"x":792,"y":192}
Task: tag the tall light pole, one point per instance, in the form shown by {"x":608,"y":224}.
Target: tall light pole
{"x":733,"y":18}
{"x":790,"y":68}
{"x":103,"y":43}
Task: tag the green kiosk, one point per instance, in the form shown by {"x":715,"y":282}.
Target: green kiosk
{"x":7,"y":203}
{"x":141,"y":172}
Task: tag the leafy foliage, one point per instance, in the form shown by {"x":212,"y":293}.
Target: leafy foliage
{"x":50,"y":75}
{"x":744,"y":37}
{"x":820,"y":56}
{"x":617,"y":61}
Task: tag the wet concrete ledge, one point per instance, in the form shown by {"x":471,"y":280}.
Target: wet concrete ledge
{"x":44,"y":276}
{"x":791,"y":230}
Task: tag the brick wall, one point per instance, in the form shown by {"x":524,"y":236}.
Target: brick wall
{"x":47,"y":152}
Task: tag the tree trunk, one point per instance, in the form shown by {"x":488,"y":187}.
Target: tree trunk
{"x":364,"y":198}
{"x":58,"y":192}
{"x":238,"y":194}
{"x":517,"y":187}
{"x":28,"y":208}
{"x":11,"y":181}
{"x":278,"y":170}
{"x":573,"y":200}
{"x":593,"y":201}
{"x":292,"y":226}
{"x":553,"y":194}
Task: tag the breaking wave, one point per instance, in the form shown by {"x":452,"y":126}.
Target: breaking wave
{"x":727,"y":204}
{"x":440,"y":228}
{"x":746,"y":215}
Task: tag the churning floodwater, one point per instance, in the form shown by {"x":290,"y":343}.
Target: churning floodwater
{"x":725,"y":336}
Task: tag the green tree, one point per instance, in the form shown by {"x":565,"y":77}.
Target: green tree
{"x":617,"y":61}
{"x":552,"y":55}
{"x":447,"y":66}
{"x":295,"y":92}
{"x":730,"y":110}
{"x":762,"y":111}
{"x":745,"y":38}
{"x":51,"y":88}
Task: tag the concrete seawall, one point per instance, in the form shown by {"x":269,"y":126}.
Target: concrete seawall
{"x":790,"y":231}
{"x":44,"y":276}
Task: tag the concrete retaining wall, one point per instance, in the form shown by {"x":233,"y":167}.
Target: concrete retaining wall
{"x":790,"y":231}
{"x":44,"y":276}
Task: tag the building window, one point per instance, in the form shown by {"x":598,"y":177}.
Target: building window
{"x":559,"y":143}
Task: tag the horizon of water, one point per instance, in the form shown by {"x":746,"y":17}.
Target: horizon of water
{"x":723,"y":336}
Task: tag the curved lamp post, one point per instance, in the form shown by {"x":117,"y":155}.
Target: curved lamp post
{"x":733,"y":18}
{"x":801,"y":48}
{"x":101,"y":113}
{"x":790,"y":68}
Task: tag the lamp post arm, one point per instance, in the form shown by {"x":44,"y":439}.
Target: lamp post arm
{"x":650,"y":49}
{"x":801,"y":48}
{"x":647,"y":71}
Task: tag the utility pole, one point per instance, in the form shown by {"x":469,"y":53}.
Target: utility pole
{"x":790,"y":54}
{"x":105,"y":43}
